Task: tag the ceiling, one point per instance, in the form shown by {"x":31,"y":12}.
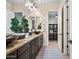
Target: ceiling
{"x":17,"y":1}
{"x":35,"y":1}
{"x":50,"y":1}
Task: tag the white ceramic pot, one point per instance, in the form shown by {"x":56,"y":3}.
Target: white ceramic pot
{"x":18,"y":33}
{"x":27,"y":34}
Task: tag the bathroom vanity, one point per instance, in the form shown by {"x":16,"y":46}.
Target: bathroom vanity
{"x":27,"y":48}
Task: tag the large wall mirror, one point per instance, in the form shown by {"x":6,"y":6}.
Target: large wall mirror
{"x":36,"y":23}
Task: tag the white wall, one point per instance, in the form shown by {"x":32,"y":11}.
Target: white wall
{"x":60,"y":28}
{"x":52,"y":20}
{"x":45,"y":27}
{"x":9,"y":15}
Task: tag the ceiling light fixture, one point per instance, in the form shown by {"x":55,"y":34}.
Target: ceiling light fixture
{"x":30,"y":6}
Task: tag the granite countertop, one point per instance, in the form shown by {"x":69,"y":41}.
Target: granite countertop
{"x":18,"y":43}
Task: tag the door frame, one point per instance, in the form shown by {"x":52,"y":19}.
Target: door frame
{"x":62,"y":29}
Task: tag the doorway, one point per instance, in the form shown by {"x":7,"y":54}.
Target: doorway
{"x":53,"y":31}
{"x":52,"y":26}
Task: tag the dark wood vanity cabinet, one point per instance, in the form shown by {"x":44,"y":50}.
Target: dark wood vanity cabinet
{"x":24,"y":52}
{"x":28,"y":50}
{"x":36,"y":44}
{"x":35,"y":47}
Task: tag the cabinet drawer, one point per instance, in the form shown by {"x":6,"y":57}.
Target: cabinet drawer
{"x":23,"y":48}
{"x":25,"y":55}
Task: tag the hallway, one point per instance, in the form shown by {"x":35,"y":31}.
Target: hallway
{"x":51,"y":52}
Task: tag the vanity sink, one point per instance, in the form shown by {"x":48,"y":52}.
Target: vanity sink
{"x":20,"y":35}
{"x":10,"y":38}
{"x":36,"y":32}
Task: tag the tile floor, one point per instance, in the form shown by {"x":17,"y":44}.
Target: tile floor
{"x":51,"y":52}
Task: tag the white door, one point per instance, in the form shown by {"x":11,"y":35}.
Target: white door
{"x":67,"y":27}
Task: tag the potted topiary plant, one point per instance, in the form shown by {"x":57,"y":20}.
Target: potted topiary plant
{"x":25,"y":25}
{"x":15,"y":25}
{"x":20,"y":29}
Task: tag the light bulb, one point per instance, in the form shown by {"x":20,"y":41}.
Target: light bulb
{"x":56,"y":16}
{"x":29,"y":7}
{"x":31,"y":4}
{"x":26,"y":4}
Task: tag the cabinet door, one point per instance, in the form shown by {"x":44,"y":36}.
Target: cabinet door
{"x":12,"y":55}
{"x":25,"y":55}
{"x":33,"y":46}
{"x":37,"y":44}
{"x":23,"y":48}
{"x":41,"y":40}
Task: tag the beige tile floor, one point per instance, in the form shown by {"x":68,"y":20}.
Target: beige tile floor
{"x":51,"y":52}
